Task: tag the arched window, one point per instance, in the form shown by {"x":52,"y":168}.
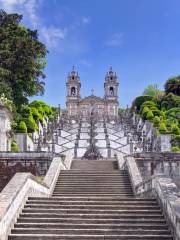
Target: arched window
{"x":111,"y":91}
{"x":73,"y":91}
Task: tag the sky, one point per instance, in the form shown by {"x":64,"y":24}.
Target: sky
{"x":140,"y":39}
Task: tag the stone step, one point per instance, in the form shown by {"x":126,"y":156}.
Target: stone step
{"x":99,"y":199}
{"x":90,"y":202}
{"x":90,"y":231}
{"x":111,"y":227}
{"x":93,"y":172}
{"x":118,"y":207}
{"x":93,"y":189}
{"x":25,"y":219}
{"x":89,"y":210}
{"x":88,"y":237}
{"x":139,"y":215}
{"x":91,"y":205}
{"x":94,"y":165}
{"x":75,"y":183}
{"x":93,"y":194}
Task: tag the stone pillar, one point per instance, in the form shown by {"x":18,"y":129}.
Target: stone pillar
{"x":5,"y":128}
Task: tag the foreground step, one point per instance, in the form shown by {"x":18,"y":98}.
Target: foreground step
{"x":36,"y":219}
{"x":113,"y":216}
{"x":88,"y":237}
{"x":90,"y":231}
{"x":110,"y":227}
{"x":91,"y":205}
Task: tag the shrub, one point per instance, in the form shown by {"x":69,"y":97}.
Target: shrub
{"x":31,"y":124}
{"x":170,"y":101}
{"x":175,"y":129}
{"x":149,"y":104}
{"x":36,"y":115}
{"x":175,"y":149}
{"x":26,"y":112}
{"x":172,"y":85}
{"x":140,"y":100}
{"x":150,"y":115}
{"x":21,"y":127}
{"x":162,"y":128}
{"x":14,"y":146}
{"x":156,"y":121}
{"x":145,"y":112}
{"x":176,"y":141}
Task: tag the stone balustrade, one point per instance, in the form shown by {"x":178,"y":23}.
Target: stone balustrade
{"x":24,"y":185}
{"x":162,"y":188}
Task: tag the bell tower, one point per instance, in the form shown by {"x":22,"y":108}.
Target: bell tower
{"x":73,"y":86}
{"x":111,"y":86}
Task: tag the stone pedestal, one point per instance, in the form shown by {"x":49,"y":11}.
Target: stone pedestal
{"x":5,"y":128}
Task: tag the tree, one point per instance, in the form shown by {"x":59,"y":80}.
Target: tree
{"x":21,"y":128}
{"x":156,"y":121}
{"x":139,"y":101}
{"x":150,"y":115}
{"x":172,"y":85}
{"x":162,"y":128}
{"x":152,"y":90}
{"x":22,"y":60}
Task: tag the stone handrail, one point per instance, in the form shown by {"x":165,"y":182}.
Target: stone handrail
{"x":24,"y":185}
{"x":161,"y":187}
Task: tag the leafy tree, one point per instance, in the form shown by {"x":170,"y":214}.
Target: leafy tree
{"x":145,"y":112}
{"x":162,"y":128}
{"x":175,"y":149}
{"x":21,"y":128}
{"x":152,"y":90}
{"x":172,"y":85}
{"x":22,"y":60}
{"x":150,"y":115}
{"x":31,"y":124}
{"x":149,"y":104}
{"x":139,"y":101}
{"x":156,"y":121}
{"x":170,"y":101}
{"x":36,"y":115}
{"x":175,"y":129}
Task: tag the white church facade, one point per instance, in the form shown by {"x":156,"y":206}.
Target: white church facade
{"x":103,"y":107}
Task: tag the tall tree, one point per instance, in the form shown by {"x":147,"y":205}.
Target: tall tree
{"x":172,"y":85}
{"x":152,"y":90}
{"x":22,"y":60}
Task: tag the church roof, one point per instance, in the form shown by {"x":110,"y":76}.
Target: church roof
{"x":92,"y":98}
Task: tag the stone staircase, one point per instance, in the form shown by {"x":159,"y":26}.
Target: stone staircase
{"x":90,"y":202}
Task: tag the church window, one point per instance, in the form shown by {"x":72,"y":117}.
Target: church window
{"x":73,"y":91}
{"x":111,"y":91}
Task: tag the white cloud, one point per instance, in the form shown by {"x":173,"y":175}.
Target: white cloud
{"x":52,"y":35}
{"x":115,"y":40}
{"x":85,"y":20}
{"x":26,"y":7}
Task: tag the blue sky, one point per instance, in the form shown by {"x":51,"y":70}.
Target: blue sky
{"x":139,"y":38}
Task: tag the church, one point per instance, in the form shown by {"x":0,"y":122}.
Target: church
{"x":102,"y":107}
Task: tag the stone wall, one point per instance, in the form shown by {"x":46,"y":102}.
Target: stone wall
{"x":24,"y":185}
{"x":162,"y":188}
{"x":5,"y":128}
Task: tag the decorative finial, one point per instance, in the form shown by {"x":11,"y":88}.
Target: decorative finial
{"x":73,"y":68}
{"x":92,"y":91}
{"x":110,"y":69}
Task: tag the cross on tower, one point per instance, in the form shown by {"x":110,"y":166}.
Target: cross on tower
{"x":92,"y":91}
